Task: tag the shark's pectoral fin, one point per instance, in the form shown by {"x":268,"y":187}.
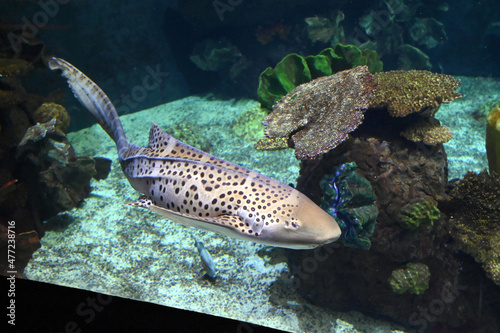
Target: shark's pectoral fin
{"x":229,"y":225}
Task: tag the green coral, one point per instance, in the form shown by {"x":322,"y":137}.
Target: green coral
{"x":294,"y":70}
{"x":349,"y":198}
{"x":413,"y":278}
{"x":419,"y":212}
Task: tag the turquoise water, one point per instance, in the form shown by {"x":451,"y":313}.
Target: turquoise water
{"x":193,"y":67}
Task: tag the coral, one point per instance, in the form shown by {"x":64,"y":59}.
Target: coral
{"x":249,"y":124}
{"x":493,"y":139}
{"x":64,"y":186}
{"x":210,"y":55}
{"x":411,"y":57}
{"x":406,"y":92}
{"x":413,"y":278}
{"x":428,"y":32}
{"x":14,"y":67}
{"x":39,"y":131}
{"x":276,"y":82}
{"x":349,"y":198}
{"x":428,"y":132}
{"x":271,"y":144}
{"x":48,"y":111}
{"x":419,"y":212}
{"x":319,"y":115}
{"x":322,"y":29}
{"x":294,"y":70}
{"x":475,"y":209}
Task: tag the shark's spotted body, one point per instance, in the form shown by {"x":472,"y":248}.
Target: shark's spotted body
{"x":196,"y":189}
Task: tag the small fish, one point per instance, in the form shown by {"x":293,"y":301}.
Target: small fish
{"x":206,"y":261}
{"x":193,"y":188}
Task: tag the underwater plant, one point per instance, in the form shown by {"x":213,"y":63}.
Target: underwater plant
{"x":294,"y":69}
{"x":493,"y":139}
{"x":349,"y":198}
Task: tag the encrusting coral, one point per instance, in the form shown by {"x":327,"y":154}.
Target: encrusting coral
{"x":48,"y":111}
{"x":14,"y":67}
{"x":493,"y":139}
{"x":319,"y":114}
{"x":419,"y":212}
{"x":474,"y":207}
{"x":413,"y":278}
{"x":406,"y":92}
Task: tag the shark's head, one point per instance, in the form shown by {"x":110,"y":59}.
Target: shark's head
{"x":308,"y":226}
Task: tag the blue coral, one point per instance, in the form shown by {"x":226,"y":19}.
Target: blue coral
{"x":349,"y":198}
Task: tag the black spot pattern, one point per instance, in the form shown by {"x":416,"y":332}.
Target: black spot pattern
{"x":183,"y":179}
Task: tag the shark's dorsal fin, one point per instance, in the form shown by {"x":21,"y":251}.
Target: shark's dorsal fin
{"x":162,"y":144}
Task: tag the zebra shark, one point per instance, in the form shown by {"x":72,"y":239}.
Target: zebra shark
{"x":193,"y":188}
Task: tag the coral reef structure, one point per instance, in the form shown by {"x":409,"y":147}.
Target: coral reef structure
{"x":493,"y":139}
{"x":474,"y":207}
{"x":413,"y":278}
{"x":406,"y":92}
{"x":349,"y":198}
{"x":294,"y":70}
{"x":319,"y":115}
{"x":418,"y":212}
{"x":428,"y":131}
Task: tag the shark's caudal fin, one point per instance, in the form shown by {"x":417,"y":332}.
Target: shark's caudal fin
{"x":95,"y":100}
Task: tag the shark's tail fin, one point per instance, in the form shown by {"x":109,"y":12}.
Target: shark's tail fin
{"x":95,"y":100}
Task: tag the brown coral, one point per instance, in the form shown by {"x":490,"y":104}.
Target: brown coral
{"x":427,"y":131}
{"x":475,"y":209}
{"x":48,"y":111}
{"x":406,"y":92}
{"x":14,"y":67}
{"x":319,"y":114}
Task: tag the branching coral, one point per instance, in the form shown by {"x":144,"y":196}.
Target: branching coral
{"x":319,"y":115}
{"x":406,"y":92}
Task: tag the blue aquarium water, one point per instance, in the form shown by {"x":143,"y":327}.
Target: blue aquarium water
{"x":326,"y":166}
